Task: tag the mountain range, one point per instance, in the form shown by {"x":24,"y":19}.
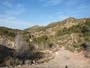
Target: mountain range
{"x":72,"y":34}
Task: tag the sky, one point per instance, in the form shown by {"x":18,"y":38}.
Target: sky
{"x":22,"y":14}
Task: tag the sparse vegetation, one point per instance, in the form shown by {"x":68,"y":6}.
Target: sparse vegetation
{"x":30,"y":45}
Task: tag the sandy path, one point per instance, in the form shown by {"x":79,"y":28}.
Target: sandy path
{"x":63,"y":58}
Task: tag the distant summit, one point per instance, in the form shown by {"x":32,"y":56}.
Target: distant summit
{"x":70,"y":20}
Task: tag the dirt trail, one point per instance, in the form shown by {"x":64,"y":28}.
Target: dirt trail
{"x":63,"y":58}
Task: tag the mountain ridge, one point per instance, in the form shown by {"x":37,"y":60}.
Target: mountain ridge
{"x":41,"y":42}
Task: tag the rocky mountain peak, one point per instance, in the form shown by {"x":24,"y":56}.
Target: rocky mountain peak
{"x":70,"y":20}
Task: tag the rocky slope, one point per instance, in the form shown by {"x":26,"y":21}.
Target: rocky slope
{"x":70,"y":33}
{"x":62,"y":59}
{"x":42,"y":41}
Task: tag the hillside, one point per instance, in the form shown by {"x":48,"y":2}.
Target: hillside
{"x":40,"y":43}
{"x":70,"y":33}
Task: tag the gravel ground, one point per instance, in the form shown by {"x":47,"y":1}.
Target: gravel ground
{"x":63,"y":58}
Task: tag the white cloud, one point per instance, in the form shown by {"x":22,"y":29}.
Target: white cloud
{"x":14,"y":23}
{"x":16,"y":11}
{"x":51,"y":2}
{"x":11,"y":7}
{"x":11,"y":12}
